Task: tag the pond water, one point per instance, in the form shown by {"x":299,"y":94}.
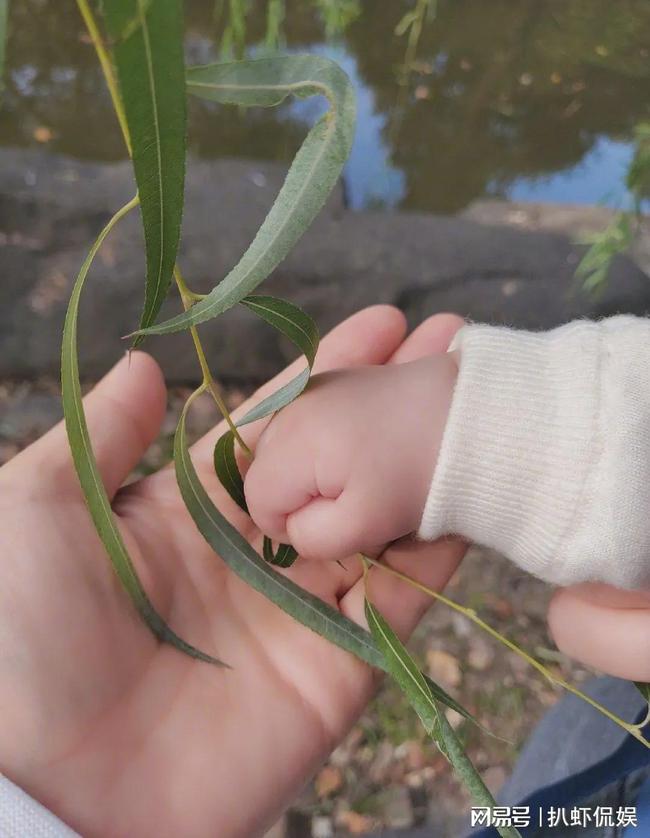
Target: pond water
{"x":527,"y":99}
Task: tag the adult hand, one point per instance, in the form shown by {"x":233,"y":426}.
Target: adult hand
{"x":120,"y":735}
{"x":604,"y":627}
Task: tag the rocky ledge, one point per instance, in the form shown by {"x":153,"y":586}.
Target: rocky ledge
{"x":499,"y":262}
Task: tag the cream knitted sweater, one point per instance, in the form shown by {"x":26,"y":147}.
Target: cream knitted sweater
{"x":546,"y":452}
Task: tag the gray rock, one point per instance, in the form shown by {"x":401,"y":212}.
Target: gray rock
{"x":51,"y":208}
{"x":29,"y":414}
{"x":396,"y":807}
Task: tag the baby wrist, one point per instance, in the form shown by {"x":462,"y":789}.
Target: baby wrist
{"x":546,"y":452}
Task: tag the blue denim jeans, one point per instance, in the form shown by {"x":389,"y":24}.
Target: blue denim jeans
{"x":577,"y":758}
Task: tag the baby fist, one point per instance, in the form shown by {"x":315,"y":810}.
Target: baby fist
{"x":347,"y":467}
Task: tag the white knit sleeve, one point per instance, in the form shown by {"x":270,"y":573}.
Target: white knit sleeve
{"x":546,"y":452}
{"x":23,"y":817}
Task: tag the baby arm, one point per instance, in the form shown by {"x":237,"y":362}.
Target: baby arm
{"x":537,"y":445}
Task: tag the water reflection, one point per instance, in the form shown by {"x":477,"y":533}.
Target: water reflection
{"x":536,"y":100}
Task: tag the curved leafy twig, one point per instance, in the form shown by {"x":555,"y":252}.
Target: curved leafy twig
{"x":244,"y":561}
{"x":86,"y":466}
{"x":301,"y":330}
{"x":313,"y":173}
{"x":417,"y":688}
{"x":240,"y":557}
{"x":148,"y":52}
{"x":227,"y":470}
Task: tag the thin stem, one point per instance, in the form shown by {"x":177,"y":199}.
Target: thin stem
{"x":470,"y":614}
{"x":185,"y":290}
{"x":421,"y":11}
{"x":195,"y":394}
{"x":107,"y":68}
{"x":640,"y":725}
{"x":209,"y":384}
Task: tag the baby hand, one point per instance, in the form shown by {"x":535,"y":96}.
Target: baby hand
{"x":347,"y":467}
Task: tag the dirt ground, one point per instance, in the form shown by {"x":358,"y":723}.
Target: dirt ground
{"x":386,"y":773}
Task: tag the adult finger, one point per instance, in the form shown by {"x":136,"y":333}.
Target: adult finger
{"x":433,"y":335}
{"x":370,"y":336}
{"x":604,"y":627}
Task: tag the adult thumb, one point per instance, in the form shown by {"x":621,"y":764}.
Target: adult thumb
{"x":124,"y":413}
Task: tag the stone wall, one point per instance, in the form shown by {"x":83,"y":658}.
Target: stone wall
{"x":499,"y":262}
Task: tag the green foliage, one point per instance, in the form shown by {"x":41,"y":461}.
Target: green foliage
{"x":148,"y":51}
{"x":284,"y":556}
{"x":97,"y":500}
{"x":275,"y":14}
{"x":337,"y":15}
{"x":227,"y":470}
{"x":644,"y":689}
{"x":243,"y":560}
{"x":425,"y":10}
{"x":403,"y":669}
{"x":233,"y":15}
{"x":302,"y":332}
{"x":233,"y":39}
{"x":313,"y":173}
{"x":638,"y":176}
{"x":617,"y":237}
{"x":594,"y":266}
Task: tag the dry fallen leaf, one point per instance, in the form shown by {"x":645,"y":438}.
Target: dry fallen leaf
{"x":481,"y":654}
{"x":443,"y":668}
{"x":328,"y":781}
{"x":355,"y":823}
{"x":43,"y":134}
{"x":498,"y":605}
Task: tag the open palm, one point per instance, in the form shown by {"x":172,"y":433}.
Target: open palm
{"x":120,"y":735}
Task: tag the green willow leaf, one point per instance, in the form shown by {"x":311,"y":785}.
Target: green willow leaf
{"x":284,"y":556}
{"x":148,"y":52}
{"x":287,"y":318}
{"x":644,"y":689}
{"x":402,"y":668}
{"x":467,"y":774}
{"x":244,"y":561}
{"x":86,"y":466}
{"x":313,"y":173}
{"x":301,"y":330}
{"x":225,"y":465}
{"x":227,"y":470}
